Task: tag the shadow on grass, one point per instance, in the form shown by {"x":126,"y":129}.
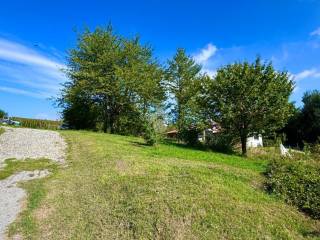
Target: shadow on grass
{"x":199,"y":147}
{"x":140,"y":144}
{"x":313,"y":234}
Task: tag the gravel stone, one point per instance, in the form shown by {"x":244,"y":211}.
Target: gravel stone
{"x":23,"y":143}
{"x":11,"y":196}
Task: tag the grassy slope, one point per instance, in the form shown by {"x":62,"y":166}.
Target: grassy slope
{"x":117,"y":188}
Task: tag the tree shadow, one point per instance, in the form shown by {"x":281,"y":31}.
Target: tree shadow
{"x":313,"y":234}
{"x":198,"y":147}
{"x":139,"y":144}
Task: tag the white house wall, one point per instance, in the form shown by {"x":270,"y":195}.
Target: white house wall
{"x":253,"y":142}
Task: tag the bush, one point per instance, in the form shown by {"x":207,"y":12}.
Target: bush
{"x":297,"y":183}
{"x":220,"y":142}
{"x":3,"y":114}
{"x":150,"y":135}
{"x":190,"y":136}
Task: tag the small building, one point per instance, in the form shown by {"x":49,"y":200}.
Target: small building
{"x":215,"y":128}
{"x":255,"y":141}
{"x":172,"y":134}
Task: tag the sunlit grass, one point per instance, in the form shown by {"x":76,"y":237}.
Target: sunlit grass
{"x":115,"y":187}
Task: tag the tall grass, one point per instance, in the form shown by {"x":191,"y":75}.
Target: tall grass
{"x":38,"y":123}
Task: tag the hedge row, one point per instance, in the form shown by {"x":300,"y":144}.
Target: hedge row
{"x":297,"y":183}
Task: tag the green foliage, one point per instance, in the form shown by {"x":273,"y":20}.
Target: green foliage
{"x":115,"y":80}
{"x":1,"y":130}
{"x":293,"y":130}
{"x":38,"y":123}
{"x":247,"y":98}
{"x":3,"y":114}
{"x":78,"y":112}
{"x":183,"y":81}
{"x":150,"y":135}
{"x":190,"y":135}
{"x":310,"y":116}
{"x":297,"y":182}
{"x":220,"y":142}
{"x":304,"y":126}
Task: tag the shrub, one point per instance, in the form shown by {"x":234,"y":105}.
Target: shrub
{"x":3,"y":114}
{"x":150,"y":135}
{"x":190,"y":136}
{"x":220,"y":142}
{"x":297,"y":182}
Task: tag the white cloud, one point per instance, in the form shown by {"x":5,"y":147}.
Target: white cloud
{"x":211,"y":73}
{"x":310,"y":73}
{"x":22,"y":92}
{"x":205,"y":54}
{"x":15,"y":52}
{"x":315,"y":32}
{"x":204,"y":57}
{"x":27,"y":71}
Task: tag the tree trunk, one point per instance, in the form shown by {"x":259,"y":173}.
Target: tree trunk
{"x":112,"y":128}
{"x":105,"y":121}
{"x":244,"y":144}
{"x":105,"y":126}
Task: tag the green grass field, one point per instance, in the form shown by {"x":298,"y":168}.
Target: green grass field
{"x":115,"y":187}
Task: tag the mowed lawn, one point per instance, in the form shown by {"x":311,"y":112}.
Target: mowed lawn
{"x":114,"y":187}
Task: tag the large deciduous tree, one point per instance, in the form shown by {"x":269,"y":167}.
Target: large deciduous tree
{"x":249,"y":98}
{"x":304,"y":125}
{"x":182,"y":81}
{"x":115,"y":80}
{"x":310,"y":116}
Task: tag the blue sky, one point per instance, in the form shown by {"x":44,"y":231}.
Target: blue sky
{"x":35,"y":36}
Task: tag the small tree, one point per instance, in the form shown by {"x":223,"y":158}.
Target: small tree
{"x":247,"y":98}
{"x":182,"y":81}
{"x":3,"y":114}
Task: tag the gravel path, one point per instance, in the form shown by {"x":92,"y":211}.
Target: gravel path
{"x":23,"y":143}
{"x":11,"y":196}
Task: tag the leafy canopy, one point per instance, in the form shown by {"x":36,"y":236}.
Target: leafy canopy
{"x":3,"y":113}
{"x":182,"y":80}
{"x":248,"y":98}
{"x":114,"y":79}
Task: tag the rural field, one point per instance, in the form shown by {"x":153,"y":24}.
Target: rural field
{"x":160,"y":120}
{"x":116,"y":187}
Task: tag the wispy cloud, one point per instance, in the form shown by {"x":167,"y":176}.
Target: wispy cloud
{"x":315,"y":32}
{"x":309,"y":73}
{"x":15,"y":52}
{"x":28,"y":71}
{"x":22,"y":92}
{"x":205,"y":54}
